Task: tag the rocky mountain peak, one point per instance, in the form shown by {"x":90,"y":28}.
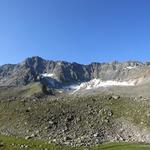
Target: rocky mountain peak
{"x":67,"y":73}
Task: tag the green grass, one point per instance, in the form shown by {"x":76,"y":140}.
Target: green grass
{"x":13,"y":143}
{"x":122,"y":146}
{"x":31,"y":89}
{"x":25,"y":91}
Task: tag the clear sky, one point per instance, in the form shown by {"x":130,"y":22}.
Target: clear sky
{"x":75,"y":30}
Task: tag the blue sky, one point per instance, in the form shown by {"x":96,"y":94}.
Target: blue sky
{"x":75,"y":30}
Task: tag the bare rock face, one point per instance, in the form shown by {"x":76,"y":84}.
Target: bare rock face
{"x":66,"y":73}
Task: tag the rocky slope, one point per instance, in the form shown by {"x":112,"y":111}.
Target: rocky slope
{"x":59,"y":73}
{"x":76,"y":120}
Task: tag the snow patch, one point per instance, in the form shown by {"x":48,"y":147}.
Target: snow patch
{"x":48,"y":75}
{"x":130,"y":67}
{"x":97,"y":83}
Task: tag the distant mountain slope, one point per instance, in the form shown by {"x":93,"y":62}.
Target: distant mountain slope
{"x":59,"y":73}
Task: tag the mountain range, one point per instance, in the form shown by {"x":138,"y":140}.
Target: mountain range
{"x":60,"y":74}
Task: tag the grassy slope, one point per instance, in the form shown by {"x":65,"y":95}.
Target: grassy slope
{"x":24,"y":91}
{"x":122,"y":146}
{"x":13,"y":115}
{"x":12,"y":143}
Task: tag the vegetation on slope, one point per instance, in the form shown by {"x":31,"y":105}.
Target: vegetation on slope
{"x":73,"y":120}
{"x":13,"y":143}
